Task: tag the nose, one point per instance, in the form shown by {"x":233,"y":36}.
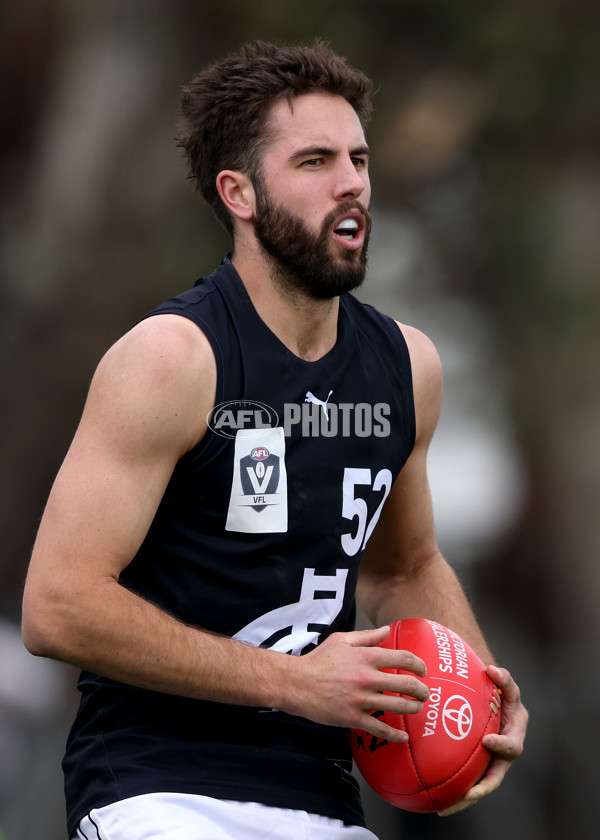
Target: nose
{"x":350,"y":181}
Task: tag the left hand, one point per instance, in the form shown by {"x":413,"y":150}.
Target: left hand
{"x":506,"y":746}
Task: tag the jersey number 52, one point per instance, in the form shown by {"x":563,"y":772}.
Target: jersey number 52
{"x":354,"y":505}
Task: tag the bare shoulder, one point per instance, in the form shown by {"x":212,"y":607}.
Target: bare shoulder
{"x":167,"y":343}
{"x":423,"y":353}
{"x":159,"y":375}
{"x":428,"y":381}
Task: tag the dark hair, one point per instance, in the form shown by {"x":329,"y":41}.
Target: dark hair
{"x":225,"y":107}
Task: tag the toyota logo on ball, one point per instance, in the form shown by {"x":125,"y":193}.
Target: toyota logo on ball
{"x":457,"y":717}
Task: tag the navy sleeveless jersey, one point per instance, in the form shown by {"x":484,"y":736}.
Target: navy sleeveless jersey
{"x":258,"y":537}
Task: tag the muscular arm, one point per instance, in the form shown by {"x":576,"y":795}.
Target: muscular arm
{"x":403,"y":573}
{"x":147,"y":406}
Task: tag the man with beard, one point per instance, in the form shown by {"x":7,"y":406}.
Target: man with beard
{"x":199,"y":557}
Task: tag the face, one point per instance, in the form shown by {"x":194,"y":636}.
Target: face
{"x":312,"y":194}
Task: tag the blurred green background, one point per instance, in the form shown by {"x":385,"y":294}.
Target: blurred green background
{"x":486,"y":179}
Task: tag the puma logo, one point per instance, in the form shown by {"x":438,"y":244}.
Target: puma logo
{"x":310,"y":398}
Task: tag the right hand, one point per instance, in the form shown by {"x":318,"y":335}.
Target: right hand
{"x":342,"y":681}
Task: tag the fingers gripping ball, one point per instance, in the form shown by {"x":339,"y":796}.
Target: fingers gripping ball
{"x":444,"y":756}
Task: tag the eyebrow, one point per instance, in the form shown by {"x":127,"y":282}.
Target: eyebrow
{"x":326,"y":151}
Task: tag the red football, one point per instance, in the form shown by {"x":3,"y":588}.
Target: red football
{"x":444,"y":756}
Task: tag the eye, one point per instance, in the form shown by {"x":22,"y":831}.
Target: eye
{"x":360,"y":162}
{"x":313,"y":163}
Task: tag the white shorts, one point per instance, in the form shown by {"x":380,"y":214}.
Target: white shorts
{"x":182,"y":816}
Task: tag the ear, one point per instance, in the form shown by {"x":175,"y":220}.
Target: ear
{"x":237,"y":193}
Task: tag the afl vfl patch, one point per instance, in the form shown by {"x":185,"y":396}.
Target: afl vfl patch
{"x":258,"y":501}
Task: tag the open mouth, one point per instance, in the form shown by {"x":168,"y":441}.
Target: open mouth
{"x":348,"y":229}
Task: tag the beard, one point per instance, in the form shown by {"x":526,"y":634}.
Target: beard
{"x":302,"y":259}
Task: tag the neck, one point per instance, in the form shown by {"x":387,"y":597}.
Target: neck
{"x":306,"y":326}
